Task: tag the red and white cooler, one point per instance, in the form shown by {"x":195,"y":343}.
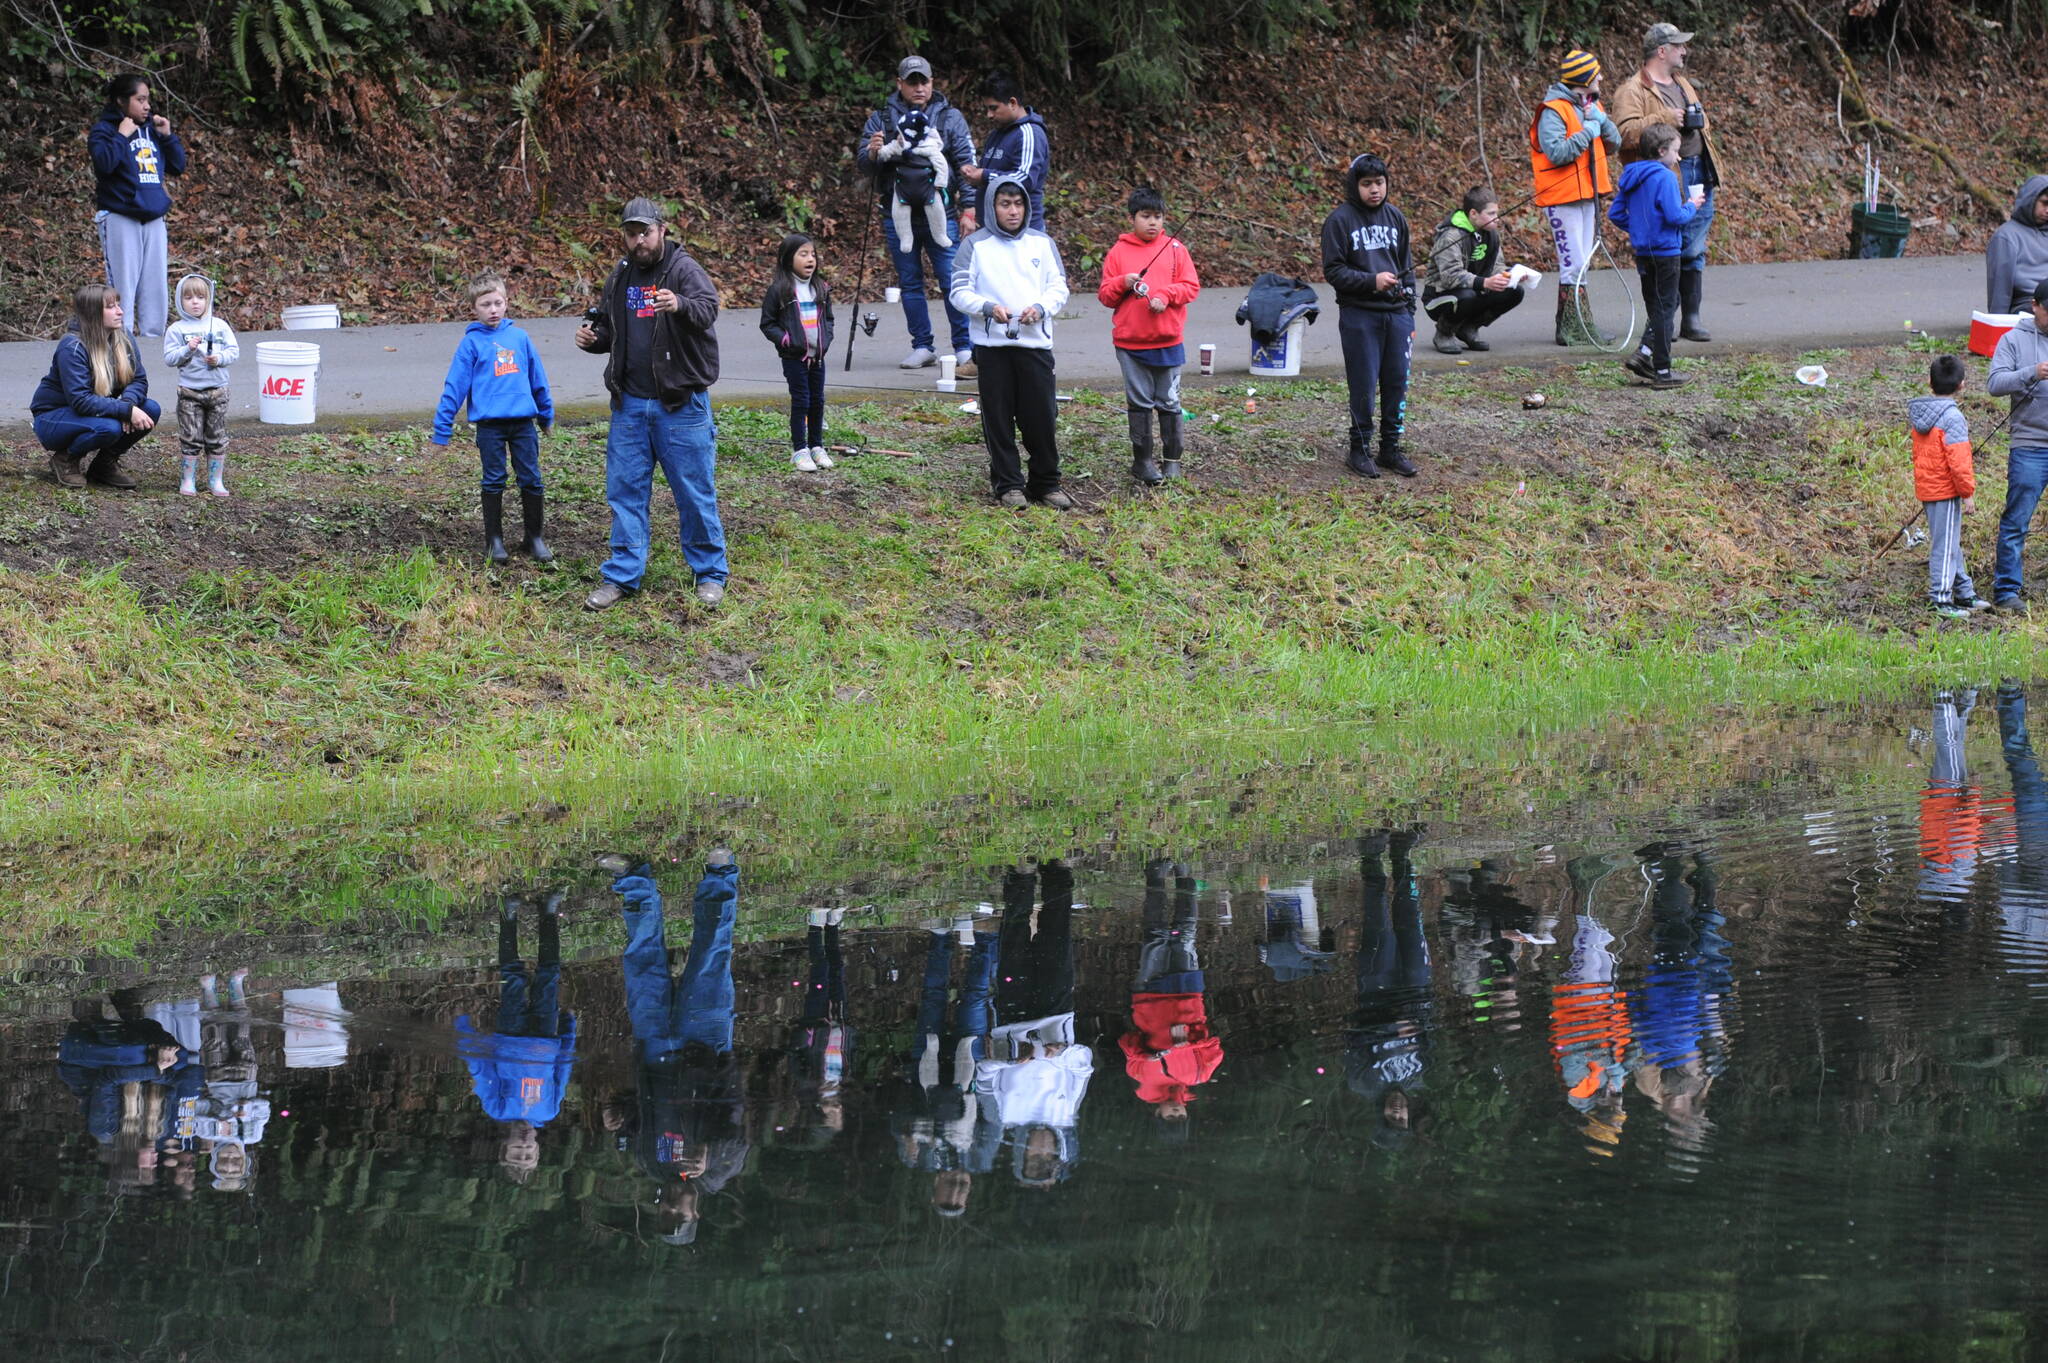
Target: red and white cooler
{"x":1987,"y":327}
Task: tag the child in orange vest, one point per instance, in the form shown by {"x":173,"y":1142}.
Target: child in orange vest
{"x":1946,"y":484}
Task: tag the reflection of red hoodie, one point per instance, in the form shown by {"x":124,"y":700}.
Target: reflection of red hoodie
{"x":1134,"y":326}
{"x":1166,"y":1070}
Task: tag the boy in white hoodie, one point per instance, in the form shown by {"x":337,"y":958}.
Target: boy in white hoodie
{"x":201,"y":347}
{"x":1008,"y":282}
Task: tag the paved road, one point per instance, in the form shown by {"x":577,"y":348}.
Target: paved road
{"x":392,"y":374}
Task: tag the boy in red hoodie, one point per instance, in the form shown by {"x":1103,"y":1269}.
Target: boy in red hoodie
{"x":1169,"y":1049}
{"x":1150,"y":283}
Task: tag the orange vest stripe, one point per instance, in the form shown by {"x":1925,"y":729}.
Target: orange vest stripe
{"x":1582,"y":179}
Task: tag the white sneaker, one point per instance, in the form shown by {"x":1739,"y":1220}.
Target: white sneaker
{"x":803,"y":461}
{"x":963,"y":929}
{"x":918,"y":358}
{"x":821,"y":457}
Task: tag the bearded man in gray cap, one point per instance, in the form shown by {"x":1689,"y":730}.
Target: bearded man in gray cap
{"x":900,"y":123}
{"x":657,"y":322}
{"x":1660,"y":93}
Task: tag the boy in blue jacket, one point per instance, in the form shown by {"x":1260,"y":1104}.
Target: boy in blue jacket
{"x":1017,"y":146}
{"x":520,"y":1068}
{"x":497,"y":372}
{"x":1650,"y":208}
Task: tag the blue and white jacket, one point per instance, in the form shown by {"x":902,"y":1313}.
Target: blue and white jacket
{"x":1022,"y":151}
{"x":498,"y":373}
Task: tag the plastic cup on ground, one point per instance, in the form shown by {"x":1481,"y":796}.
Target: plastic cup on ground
{"x":892,"y":295}
{"x":1208,"y":354}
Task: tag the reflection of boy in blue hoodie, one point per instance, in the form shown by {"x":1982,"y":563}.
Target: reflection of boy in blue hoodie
{"x":1649,"y":206}
{"x":521,"y":1067}
{"x":497,"y":372}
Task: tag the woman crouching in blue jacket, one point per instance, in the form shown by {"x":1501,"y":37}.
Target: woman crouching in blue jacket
{"x":94,"y":402}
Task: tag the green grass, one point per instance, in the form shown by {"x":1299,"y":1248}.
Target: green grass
{"x":903,"y":642}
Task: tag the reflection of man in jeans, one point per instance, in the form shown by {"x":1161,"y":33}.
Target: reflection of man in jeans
{"x":2018,"y":364}
{"x":657,"y":322}
{"x":915,"y":95}
{"x":2023,"y":873}
{"x":1389,"y":1030}
{"x":691,"y":1133}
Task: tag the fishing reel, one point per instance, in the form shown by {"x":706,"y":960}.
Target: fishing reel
{"x":1010,"y":329}
{"x":592,"y":316}
{"x":1141,"y":289}
{"x":868,"y":323}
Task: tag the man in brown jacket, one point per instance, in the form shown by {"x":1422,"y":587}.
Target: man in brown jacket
{"x":1659,"y":93}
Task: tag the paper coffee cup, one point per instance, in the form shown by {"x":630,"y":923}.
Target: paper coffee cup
{"x":892,"y":295}
{"x":946,"y":367}
{"x":1208,"y":353}
{"x":946,"y":383}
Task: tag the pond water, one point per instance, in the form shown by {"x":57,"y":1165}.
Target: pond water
{"x":1760,"y":1077}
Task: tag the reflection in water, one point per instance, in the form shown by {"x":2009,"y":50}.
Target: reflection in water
{"x":862,"y":1135}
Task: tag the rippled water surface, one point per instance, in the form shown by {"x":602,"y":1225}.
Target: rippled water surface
{"x":1759,"y":1076}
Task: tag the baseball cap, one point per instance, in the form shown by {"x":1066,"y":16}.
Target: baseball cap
{"x":2041,"y":290}
{"x":642,"y":211}
{"x":913,"y":66}
{"x":1660,"y":35}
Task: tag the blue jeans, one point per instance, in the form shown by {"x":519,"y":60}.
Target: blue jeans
{"x":684,"y":442}
{"x":65,"y":432}
{"x":496,"y":439}
{"x":917,"y":314}
{"x":806,"y":380}
{"x":1692,"y":246}
{"x":671,"y":1014}
{"x":974,"y":1013}
{"x":2026,"y":473}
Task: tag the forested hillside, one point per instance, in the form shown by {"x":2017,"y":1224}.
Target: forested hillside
{"x":374,"y":152}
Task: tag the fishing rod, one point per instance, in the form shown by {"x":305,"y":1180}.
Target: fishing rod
{"x":856,"y":322}
{"x":2025,"y":396}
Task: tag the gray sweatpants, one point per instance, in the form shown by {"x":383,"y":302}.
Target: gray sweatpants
{"x":1947,"y":579}
{"x":138,"y":268}
{"x":1146,"y":388}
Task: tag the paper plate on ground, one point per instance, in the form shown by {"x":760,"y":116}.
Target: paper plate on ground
{"x":1812,"y":375}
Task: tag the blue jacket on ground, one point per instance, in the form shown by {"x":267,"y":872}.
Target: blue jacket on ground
{"x":1020,"y":151}
{"x":1648,"y":206}
{"x":518,"y":1078}
{"x":497,"y":372}
{"x":68,"y":385}
{"x":128,"y":172}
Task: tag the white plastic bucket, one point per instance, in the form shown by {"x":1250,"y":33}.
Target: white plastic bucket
{"x":288,"y":377}
{"x":312,"y":317}
{"x":1282,"y":359}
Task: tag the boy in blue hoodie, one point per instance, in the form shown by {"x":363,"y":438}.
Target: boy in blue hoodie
{"x":497,"y":372}
{"x":520,"y":1069}
{"x":1650,"y":208}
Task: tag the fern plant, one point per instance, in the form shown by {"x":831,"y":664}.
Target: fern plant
{"x":309,"y":41}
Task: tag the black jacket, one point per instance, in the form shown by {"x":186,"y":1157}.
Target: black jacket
{"x":686,"y":362}
{"x":1359,"y":243}
{"x":780,"y":318}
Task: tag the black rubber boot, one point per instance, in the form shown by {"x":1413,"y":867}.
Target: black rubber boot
{"x":494,"y":529}
{"x":1358,"y":459}
{"x":533,"y":508}
{"x":1143,"y":470}
{"x":1691,"y":284}
{"x":1447,"y":341}
{"x":1392,"y":458}
{"x":1169,"y":444}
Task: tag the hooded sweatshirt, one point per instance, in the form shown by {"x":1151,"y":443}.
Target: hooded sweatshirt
{"x":1169,"y":272}
{"x":2017,"y":257}
{"x":1021,"y":149}
{"x":1648,"y":206}
{"x":1166,"y":1070}
{"x":2012,"y":375}
{"x":1461,"y":257}
{"x":129,"y":171}
{"x":498,"y":373}
{"x":1361,"y":242}
{"x":518,"y":1078}
{"x":1014,"y":270}
{"x":216,"y":338}
{"x":1941,"y":449}
{"x":69,"y":382}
